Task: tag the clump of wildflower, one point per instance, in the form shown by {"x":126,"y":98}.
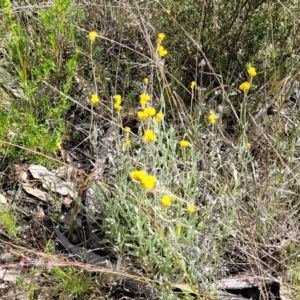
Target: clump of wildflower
{"x":162,"y":51}
{"x":191,"y":209}
{"x":127,"y":143}
{"x":146,"y":80}
{"x":193,"y":84}
{"x":248,"y":145}
{"x":149,"y":136}
{"x":127,"y":129}
{"x":160,"y":37}
{"x":212,"y":118}
{"x":251,"y":72}
{"x":245,"y":86}
{"x":149,"y":112}
{"x":144,"y":99}
{"x":93,"y":35}
{"x":94,"y":99}
{"x":147,"y":181}
{"x":159,"y":116}
{"x":166,"y":201}
{"x":184,"y":143}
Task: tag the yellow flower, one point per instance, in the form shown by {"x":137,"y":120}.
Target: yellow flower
{"x":127,"y":143}
{"x":191,"y":209}
{"x":94,"y":99}
{"x":144,"y":99}
{"x":149,"y":112}
{"x":58,"y":145}
{"x":117,"y":106}
{"x":138,"y":175}
{"x":160,"y":37}
{"x":140,"y":115}
{"x":148,"y":182}
{"x":193,"y":84}
{"x":149,"y":136}
{"x":127,"y":129}
{"x":212,"y":118}
{"x":166,"y":201}
{"x":248,"y":145}
{"x":149,"y":185}
{"x":245,"y":86}
{"x":184,"y":143}
{"x":159,"y":116}
{"x":92,"y":36}
{"x":251,"y":71}
{"x":146,"y":80}
{"x":162,"y":51}
{"x":118,"y":99}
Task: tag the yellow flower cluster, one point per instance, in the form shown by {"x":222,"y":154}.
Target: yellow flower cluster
{"x":245,"y":86}
{"x":191,"y":209}
{"x":184,"y":143}
{"x":140,"y":115}
{"x":212,"y":118}
{"x":118,"y":101}
{"x":159,"y":116}
{"x":58,"y":144}
{"x":147,"y":181}
{"x":149,"y":112}
{"x":92,"y":36}
{"x":160,"y":37}
{"x":166,"y":201}
{"x":251,"y":72}
{"x":161,"y":49}
{"x":149,"y":136}
{"x":144,"y":99}
{"x":193,"y":84}
{"x":94,"y":99}
{"x":146,"y":80}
